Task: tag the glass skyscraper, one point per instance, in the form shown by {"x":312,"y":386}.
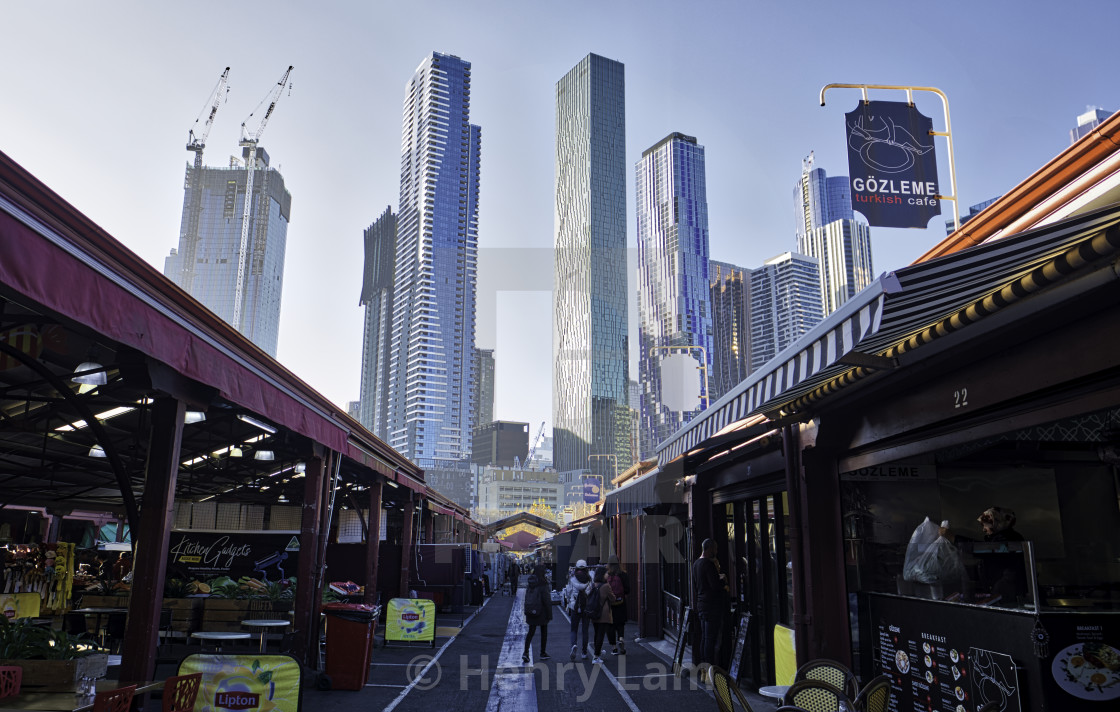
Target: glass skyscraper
{"x":380,"y":241}
{"x":785,"y":304}
{"x":674,"y":299}
{"x":431,"y":370}
{"x":205,"y":263}
{"x":731,"y":326}
{"x":827,"y":229}
{"x":591,"y":421}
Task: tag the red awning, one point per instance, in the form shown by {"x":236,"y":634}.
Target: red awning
{"x":57,"y":273}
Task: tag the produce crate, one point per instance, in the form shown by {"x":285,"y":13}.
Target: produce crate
{"x":186,"y":614}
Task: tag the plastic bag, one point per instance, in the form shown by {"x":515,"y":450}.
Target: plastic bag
{"x":922,"y":538}
{"x":930,"y":557}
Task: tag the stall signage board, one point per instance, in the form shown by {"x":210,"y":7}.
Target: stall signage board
{"x":1083,"y":671}
{"x":892,"y":164}
{"x":740,"y":646}
{"x":269,"y":556}
{"x":592,"y":488}
{"x":410,"y":619}
{"x":260,"y":683}
{"x":948,"y":658}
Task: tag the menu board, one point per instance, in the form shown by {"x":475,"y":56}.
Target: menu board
{"x":939,"y":656}
{"x":1084,"y":669}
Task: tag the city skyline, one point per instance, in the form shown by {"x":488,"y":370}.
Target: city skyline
{"x":102,"y":113}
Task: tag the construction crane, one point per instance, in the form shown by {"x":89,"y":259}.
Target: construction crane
{"x":250,"y":139}
{"x":197,"y":143}
{"x":533,"y":445}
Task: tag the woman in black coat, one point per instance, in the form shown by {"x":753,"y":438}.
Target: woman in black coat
{"x":538,"y":611}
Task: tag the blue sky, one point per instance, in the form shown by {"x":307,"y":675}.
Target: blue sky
{"x":96,"y":100}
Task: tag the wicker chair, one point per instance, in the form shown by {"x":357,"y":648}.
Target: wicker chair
{"x":875,"y":696}
{"x":816,"y":696}
{"x":181,"y":692}
{"x":726,"y":691}
{"x":831,"y":672}
{"x":11,"y":676}
{"x":119,"y":700}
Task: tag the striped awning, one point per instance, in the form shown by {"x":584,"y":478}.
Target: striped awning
{"x":895,"y":307}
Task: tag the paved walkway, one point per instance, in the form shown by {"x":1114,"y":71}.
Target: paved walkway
{"x":479,"y":667}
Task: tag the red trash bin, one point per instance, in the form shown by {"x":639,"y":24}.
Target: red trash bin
{"x":350,"y":629}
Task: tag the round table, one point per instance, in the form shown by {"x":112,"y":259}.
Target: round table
{"x":220,"y":636}
{"x":775,"y":692}
{"x":99,"y":612}
{"x":264,"y":624}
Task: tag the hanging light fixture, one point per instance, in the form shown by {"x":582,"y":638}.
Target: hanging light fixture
{"x":259,"y":424}
{"x":97,"y":451}
{"x":236,"y":452}
{"x":193,"y":416}
{"x":300,"y":467}
{"x":90,"y":373}
{"x":267,"y":455}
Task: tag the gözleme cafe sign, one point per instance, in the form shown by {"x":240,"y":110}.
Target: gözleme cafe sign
{"x":891,"y":164}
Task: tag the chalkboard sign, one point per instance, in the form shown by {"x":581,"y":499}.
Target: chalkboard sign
{"x":682,"y":637}
{"x":740,"y":646}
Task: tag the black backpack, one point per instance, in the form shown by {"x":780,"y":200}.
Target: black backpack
{"x":581,"y":602}
{"x":532,"y":603}
{"x":594,"y":604}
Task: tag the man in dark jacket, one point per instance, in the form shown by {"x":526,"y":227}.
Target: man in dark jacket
{"x":709,"y":592}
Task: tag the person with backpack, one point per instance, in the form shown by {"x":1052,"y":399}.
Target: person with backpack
{"x":599,"y":603}
{"x":620,"y":586}
{"x":538,"y":611}
{"x":575,"y":593}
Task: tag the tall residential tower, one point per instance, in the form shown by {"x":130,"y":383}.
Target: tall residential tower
{"x":590,"y":414}
{"x":431,"y":369}
{"x":206,"y":261}
{"x":380,"y":240}
{"x":674,"y":299}
{"x":731,"y":326}
{"x":785,"y":304}
{"x":827,"y":230}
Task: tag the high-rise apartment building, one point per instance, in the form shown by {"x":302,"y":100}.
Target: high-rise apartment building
{"x":484,"y":386}
{"x":731,"y":326}
{"x":206,"y":262}
{"x":380,"y":242}
{"x":674,"y":298}
{"x":591,"y":421}
{"x":1088,"y":121}
{"x":431,"y":369}
{"x":785,"y":304}
{"x":827,"y":229}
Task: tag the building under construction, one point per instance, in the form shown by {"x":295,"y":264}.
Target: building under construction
{"x":206,"y":262}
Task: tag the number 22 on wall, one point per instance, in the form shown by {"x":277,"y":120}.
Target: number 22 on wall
{"x":960,"y":398}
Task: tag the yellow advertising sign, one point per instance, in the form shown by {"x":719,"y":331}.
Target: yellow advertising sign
{"x":253,"y":683}
{"x":785,"y":655}
{"x":20,"y":605}
{"x":410,"y":619}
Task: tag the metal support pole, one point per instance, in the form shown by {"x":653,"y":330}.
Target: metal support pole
{"x":407,"y":539}
{"x":947,"y":133}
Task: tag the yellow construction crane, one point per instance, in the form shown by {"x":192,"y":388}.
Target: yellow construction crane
{"x":250,"y":139}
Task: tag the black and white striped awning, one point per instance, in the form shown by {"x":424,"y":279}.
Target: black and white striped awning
{"x":893,"y":308}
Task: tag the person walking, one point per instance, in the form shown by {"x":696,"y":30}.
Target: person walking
{"x":513,"y":574}
{"x":599,"y":607}
{"x":576,"y":594}
{"x":538,"y":611}
{"x":709,"y":590}
{"x":620,"y":586}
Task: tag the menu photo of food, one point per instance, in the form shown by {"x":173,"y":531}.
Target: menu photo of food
{"x":902,"y":661}
{"x":1088,"y":670}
